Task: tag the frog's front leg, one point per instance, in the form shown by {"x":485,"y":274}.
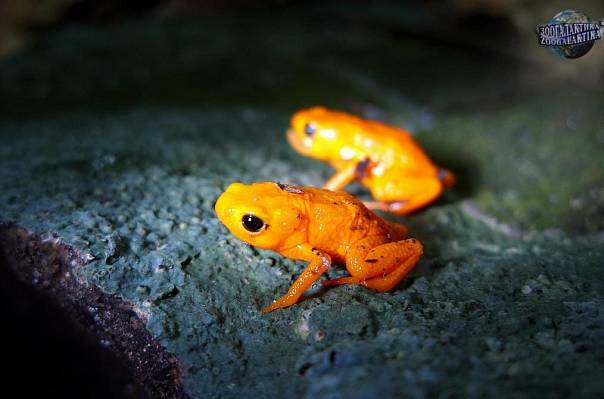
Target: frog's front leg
{"x":318,"y":264}
{"x":341,"y":179}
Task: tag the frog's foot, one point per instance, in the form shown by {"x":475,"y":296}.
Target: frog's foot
{"x":283,"y":302}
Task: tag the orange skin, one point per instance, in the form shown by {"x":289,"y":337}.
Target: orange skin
{"x":319,"y":226}
{"x":385,"y":159}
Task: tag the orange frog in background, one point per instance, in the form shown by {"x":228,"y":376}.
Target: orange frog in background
{"x":384,"y":158}
{"x":319,"y":226}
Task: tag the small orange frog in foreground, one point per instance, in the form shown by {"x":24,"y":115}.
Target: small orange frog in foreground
{"x":319,"y":226}
{"x":385,"y":159}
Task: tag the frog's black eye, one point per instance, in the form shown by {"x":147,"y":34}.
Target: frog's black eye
{"x":252,"y":223}
{"x":309,"y":129}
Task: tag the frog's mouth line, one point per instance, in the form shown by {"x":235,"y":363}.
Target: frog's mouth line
{"x":298,"y":145}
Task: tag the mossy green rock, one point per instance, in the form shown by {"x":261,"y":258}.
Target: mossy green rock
{"x":118,"y":141}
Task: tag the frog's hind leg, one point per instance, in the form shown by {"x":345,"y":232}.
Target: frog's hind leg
{"x":402,"y":196}
{"x":390,"y":262}
{"x":409,"y":252}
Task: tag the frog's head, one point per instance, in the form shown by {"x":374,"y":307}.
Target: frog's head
{"x":320,"y":133}
{"x":266,"y":215}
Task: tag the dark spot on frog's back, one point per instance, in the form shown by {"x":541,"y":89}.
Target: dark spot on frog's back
{"x":371,"y":260}
{"x":290,"y":189}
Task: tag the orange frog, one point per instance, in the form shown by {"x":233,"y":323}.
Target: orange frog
{"x":319,"y":226}
{"x":385,"y":159}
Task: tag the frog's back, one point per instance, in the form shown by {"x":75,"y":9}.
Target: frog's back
{"x":326,"y":204}
{"x":394,"y":146}
{"x":337,"y":220}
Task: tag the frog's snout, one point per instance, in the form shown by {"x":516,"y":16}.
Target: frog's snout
{"x":290,"y":135}
{"x":223,"y":206}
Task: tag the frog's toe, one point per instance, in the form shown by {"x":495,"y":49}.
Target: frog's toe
{"x":272,"y":307}
{"x":283,"y":302}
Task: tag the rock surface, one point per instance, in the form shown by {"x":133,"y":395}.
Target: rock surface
{"x":117,"y":141}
